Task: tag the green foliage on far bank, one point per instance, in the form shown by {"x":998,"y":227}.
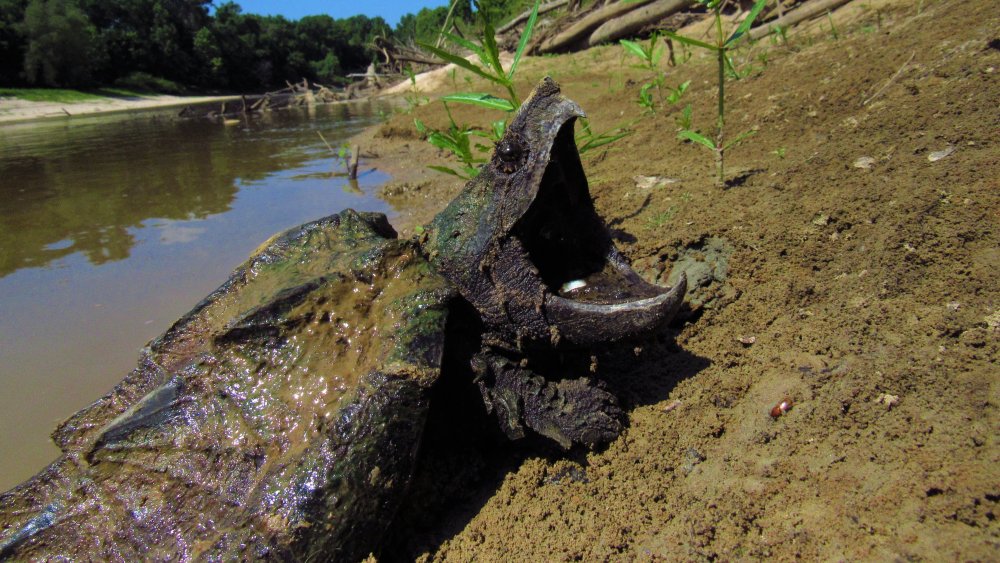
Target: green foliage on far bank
{"x":179,"y":45}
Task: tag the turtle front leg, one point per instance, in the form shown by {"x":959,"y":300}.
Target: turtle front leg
{"x":571,"y":410}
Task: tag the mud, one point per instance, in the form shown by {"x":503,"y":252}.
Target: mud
{"x":865,"y":294}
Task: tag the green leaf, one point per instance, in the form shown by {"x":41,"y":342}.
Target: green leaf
{"x":656,"y":54}
{"x":745,"y":26}
{"x":696,"y":137}
{"x":525,"y":37}
{"x":490,"y":46}
{"x":421,"y":128}
{"x":484,"y":100}
{"x":459,"y":61}
{"x":441,"y":141}
{"x":499,"y":127}
{"x":732,"y":68}
{"x":739,"y":138}
{"x":689,"y":41}
{"x":634,"y":48}
{"x":463,"y":42}
{"x":601,"y":141}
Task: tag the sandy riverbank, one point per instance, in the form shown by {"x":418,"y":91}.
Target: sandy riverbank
{"x":14,"y":110}
{"x":851,"y":268}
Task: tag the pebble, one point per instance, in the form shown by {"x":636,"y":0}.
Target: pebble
{"x":938,"y":155}
{"x":864,"y":162}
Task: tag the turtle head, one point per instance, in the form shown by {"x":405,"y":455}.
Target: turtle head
{"x":525,"y":246}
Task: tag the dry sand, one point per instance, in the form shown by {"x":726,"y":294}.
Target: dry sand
{"x":860,"y":238}
{"x":12,"y":109}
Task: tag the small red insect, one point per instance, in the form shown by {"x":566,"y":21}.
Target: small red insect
{"x":781,"y":408}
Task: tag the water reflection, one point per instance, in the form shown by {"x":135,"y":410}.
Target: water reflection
{"x":81,"y":185}
{"x":112,"y":227}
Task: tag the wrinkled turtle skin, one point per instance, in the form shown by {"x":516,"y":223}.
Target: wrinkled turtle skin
{"x":280,"y":419}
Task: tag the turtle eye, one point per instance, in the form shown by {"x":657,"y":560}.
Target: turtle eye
{"x":510,"y":152}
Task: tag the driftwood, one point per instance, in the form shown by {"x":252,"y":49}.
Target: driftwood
{"x":352,"y":165}
{"x":396,"y":54}
{"x":578,"y":33}
{"x":523,"y":17}
{"x":804,"y":12}
{"x":632,"y":22}
{"x":298,"y":94}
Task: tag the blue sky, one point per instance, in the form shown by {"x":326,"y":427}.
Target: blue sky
{"x":390,"y":10}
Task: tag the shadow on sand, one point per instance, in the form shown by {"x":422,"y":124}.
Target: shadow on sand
{"x":465,"y":457}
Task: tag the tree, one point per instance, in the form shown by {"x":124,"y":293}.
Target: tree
{"x":150,"y":36}
{"x":61,"y":43}
{"x":328,"y":70}
{"x":497,"y":11}
{"x":11,"y":41}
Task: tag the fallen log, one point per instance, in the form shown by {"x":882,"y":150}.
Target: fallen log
{"x":804,"y":12}
{"x":579,"y":32}
{"x":632,"y":22}
{"x":525,"y":15}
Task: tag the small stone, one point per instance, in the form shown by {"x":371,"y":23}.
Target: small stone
{"x":649,"y":182}
{"x":993,"y":321}
{"x":888,"y":400}
{"x":821,"y":221}
{"x":938,"y":155}
{"x":864,"y":162}
{"x":953,"y":306}
{"x":747,"y":340}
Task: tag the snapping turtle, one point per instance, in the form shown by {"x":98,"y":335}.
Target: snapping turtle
{"x":281,"y":417}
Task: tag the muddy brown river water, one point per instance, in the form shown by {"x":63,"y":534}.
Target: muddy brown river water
{"x":112,"y":227}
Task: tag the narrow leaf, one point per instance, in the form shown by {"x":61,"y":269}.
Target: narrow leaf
{"x":601,"y":141}
{"x":689,"y":41}
{"x":692,"y":136}
{"x":442,"y":142}
{"x":463,"y":42}
{"x":490,"y":46}
{"x":731,"y":67}
{"x":484,"y":100}
{"x":634,"y":48}
{"x":525,"y":37}
{"x":739,"y":138}
{"x":745,"y":26}
{"x":459,"y":61}
{"x":499,"y":127}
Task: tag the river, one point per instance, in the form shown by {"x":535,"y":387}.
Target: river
{"x":113,"y":226}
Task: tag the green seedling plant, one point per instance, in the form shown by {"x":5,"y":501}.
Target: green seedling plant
{"x":457,"y":138}
{"x":413,"y":97}
{"x":779,"y":35}
{"x":587,"y":140}
{"x":721,"y":48}
{"x":833,"y":27}
{"x":683,"y":120}
{"x":649,"y":54}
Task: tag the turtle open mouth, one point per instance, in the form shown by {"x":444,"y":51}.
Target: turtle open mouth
{"x":591,"y":293}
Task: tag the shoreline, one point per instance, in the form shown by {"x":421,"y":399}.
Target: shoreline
{"x":13,"y":110}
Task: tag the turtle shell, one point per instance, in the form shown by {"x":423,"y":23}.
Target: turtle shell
{"x":278,"y":419}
